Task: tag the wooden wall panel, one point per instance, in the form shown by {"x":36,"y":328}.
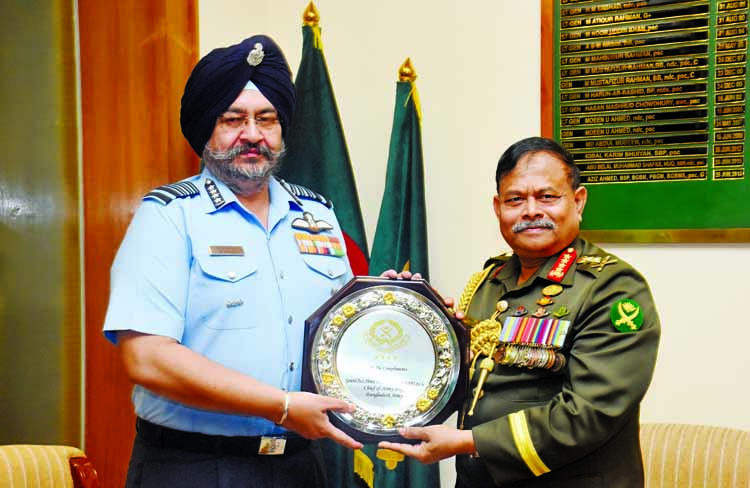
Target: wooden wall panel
{"x":135,"y":57}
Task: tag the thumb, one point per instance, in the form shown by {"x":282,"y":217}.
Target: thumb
{"x":339,"y":405}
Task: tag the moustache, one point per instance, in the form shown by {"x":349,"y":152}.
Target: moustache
{"x":539,"y":224}
{"x":231,"y":154}
{"x":262,"y":149}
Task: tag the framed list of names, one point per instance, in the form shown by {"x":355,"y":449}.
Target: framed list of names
{"x":650,"y":97}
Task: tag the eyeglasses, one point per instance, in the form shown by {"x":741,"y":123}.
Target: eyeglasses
{"x":234,"y":122}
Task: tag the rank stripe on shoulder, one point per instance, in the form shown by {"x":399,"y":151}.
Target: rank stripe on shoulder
{"x":167,"y":193}
{"x":298,"y":191}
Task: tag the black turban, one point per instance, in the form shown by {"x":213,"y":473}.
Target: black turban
{"x":221,"y":75}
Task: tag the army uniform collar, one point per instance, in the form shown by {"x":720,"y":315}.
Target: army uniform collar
{"x":512,"y":268}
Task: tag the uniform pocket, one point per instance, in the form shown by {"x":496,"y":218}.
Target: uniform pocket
{"x":328,"y":266}
{"x":223,"y":288}
{"x":227,"y":268}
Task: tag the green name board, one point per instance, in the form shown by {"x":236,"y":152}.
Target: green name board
{"x":650,"y":97}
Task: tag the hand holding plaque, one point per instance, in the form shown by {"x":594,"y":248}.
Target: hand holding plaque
{"x":391,"y":348}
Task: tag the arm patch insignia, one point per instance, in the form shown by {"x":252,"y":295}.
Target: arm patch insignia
{"x":166,"y":193}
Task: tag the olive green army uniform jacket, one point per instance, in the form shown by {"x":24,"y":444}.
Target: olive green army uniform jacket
{"x":577,"y":426}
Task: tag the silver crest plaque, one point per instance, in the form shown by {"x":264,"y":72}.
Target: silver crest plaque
{"x":391,"y":348}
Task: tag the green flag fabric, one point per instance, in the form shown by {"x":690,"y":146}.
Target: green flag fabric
{"x":317,"y":156}
{"x":401,"y":234}
{"x":400,"y":243}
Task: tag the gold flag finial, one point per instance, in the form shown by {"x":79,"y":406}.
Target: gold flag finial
{"x":406,"y":71}
{"x":311,"y":16}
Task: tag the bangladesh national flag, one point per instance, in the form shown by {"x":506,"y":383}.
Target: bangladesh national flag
{"x":317,"y":156}
{"x":401,"y":244}
{"x":401,"y":235}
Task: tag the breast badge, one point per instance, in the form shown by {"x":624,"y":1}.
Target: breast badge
{"x":552,"y":290}
{"x":309,"y":223}
{"x":540,"y":313}
{"x":314,"y":244}
{"x":561,"y":312}
{"x":520,"y":311}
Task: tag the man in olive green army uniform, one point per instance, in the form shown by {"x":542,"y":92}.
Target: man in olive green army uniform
{"x":564,"y":341}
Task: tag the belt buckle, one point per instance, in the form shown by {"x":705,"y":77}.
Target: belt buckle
{"x":271,"y":446}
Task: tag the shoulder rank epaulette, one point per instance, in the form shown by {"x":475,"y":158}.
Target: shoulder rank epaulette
{"x":167,"y":193}
{"x":491,"y":267}
{"x":472,"y":286}
{"x":298,"y":191}
{"x":595,"y":262}
{"x":501,"y":258}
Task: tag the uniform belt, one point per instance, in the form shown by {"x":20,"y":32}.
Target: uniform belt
{"x":218,"y":444}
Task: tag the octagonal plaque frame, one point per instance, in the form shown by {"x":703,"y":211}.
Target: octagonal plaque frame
{"x":391,"y":348}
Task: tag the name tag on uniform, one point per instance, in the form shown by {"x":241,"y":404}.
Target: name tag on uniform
{"x":226,"y":251}
{"x":271,"y":446}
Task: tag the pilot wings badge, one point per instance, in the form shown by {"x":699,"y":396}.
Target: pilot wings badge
{"x":310,"y":224}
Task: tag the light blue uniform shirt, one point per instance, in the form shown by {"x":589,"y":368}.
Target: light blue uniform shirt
{"x":243,"y":307}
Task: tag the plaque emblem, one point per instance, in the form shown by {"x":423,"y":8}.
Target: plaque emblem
{"x":387,"y":336}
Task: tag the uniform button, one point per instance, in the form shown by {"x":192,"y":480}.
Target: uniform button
{"x":232,"y":275}
{"x":281,"y":275}
{"x":291,"y":366}
{"x":290,"y":319}
{"x":330,"y":272}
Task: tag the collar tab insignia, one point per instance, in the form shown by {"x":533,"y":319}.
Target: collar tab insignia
{"x":562,"y":265}
{"x":214,"y":194}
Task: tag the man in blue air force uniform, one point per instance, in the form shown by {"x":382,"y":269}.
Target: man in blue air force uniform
{"x":212,"y":284}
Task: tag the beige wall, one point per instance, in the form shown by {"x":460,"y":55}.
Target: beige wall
{"x":478,"y":67}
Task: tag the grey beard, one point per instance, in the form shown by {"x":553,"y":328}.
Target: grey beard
{"x":243,"y":180}
{"x":521,"y":226}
